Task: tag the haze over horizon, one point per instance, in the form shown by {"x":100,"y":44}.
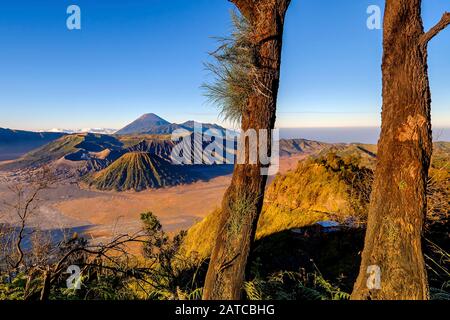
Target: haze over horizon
{"x":349,"y":134}
{"x":134,"y":58}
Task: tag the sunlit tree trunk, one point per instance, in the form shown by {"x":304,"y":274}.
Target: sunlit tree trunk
{"x":398,"y":203}
{"x":243,"y":200}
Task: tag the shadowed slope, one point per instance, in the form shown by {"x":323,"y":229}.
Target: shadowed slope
{"x":70,"y":146}
{"x":15,"y":143}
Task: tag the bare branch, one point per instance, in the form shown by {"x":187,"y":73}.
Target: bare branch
{"x":441,"y":25}
{"x":23,"y":214}
{"x":101,"y":250}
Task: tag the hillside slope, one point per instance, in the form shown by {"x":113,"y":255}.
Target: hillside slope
{"x":138,"y":171}
{"x":76,"y":147}
{"x":318,"y":190}
{"x":291,"y":147}
{"x":334,"y":185}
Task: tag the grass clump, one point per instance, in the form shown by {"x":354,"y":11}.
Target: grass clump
{"x":232,"y":71}
{"x":286,"y":285}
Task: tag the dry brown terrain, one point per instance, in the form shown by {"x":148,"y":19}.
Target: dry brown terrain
{"x":109,"y":213}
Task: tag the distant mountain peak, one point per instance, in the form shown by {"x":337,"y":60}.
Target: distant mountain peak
{"x":151,"y":123}
{"x":152,"y":117}
{"x":144,"y":123}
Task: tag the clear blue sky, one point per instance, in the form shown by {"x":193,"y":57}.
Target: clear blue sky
{"x":133,"y":57}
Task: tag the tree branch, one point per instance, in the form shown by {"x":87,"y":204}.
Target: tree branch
{"x":441,"y":25}
{"x":23,"y":221}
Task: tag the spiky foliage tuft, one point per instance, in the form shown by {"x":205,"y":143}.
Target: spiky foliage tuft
{"x":232,"y":71}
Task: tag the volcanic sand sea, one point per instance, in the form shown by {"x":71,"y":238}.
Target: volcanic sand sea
{"x":107,"y":214}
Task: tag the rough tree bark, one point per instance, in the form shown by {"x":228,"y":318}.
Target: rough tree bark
{"x":398,"y":203}
{"x":244,"y":198}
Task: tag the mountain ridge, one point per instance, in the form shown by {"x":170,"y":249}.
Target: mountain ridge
{"x":151,"y":123}
{"x":143,"y":124}
{"x":15,"y":143}
{"x":81,"y":147}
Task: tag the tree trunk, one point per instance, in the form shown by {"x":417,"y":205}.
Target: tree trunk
{"x":243,"y":200}
{"x":398,"y":203}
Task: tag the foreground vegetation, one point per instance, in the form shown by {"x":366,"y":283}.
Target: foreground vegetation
{"x":294,"y":257}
